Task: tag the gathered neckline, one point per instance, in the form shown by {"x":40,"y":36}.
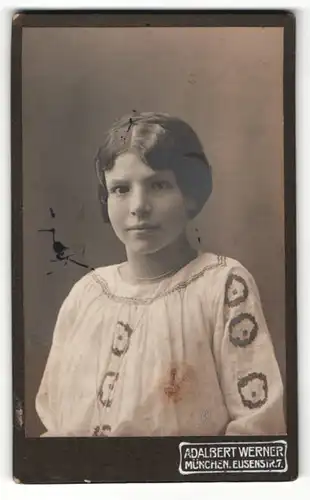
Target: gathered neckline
{"x":152,"y":282}
{"x":147,"y":293}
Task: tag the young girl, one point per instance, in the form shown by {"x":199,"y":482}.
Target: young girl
{"x":169,"y":342}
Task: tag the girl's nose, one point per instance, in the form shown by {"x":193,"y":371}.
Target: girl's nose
{"x":139,"y":202}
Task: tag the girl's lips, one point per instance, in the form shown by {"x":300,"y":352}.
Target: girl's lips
{"x":143,"y":231}
{"x":142,"y":228}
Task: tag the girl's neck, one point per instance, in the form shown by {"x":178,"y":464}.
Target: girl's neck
{"x":165,"y":262}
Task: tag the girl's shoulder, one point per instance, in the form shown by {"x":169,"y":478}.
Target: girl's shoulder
{"x":213,"y":266}
{"x":222,"y":275}
{"x":90,"y":283}
{"x":213,"y":273}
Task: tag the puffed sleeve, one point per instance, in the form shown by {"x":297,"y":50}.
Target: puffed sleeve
{"x":47,"y":396}
{"x":248,"y":370}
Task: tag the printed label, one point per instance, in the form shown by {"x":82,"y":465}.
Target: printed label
{"x":263,"y":456}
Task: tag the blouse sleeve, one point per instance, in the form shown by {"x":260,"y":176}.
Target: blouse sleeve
{"x":248,"y":371}
{"x":46,"y":400}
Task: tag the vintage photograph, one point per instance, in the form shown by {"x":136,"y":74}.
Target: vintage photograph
{"x":154,"y":251}
{"x":154,"y":336}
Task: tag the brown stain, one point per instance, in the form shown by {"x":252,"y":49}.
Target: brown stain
{"x":179,"y":383}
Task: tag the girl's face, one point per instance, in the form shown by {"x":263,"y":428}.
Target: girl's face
{"x":146,"y":207}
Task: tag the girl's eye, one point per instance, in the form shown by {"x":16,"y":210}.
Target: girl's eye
{"x":119,"y":190}
{"x":159,"y":185}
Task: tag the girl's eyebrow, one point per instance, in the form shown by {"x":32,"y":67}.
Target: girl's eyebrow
{"x":117,"y":181}
{"x":146,"y":178}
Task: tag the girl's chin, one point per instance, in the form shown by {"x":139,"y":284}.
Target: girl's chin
{"x":144,"y":248}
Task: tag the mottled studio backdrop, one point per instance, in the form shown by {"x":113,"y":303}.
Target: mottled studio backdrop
{"x":227,"y":82}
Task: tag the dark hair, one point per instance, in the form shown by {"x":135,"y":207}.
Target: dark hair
{"x":163,"y":142}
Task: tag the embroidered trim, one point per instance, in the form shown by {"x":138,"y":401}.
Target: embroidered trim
{"x":243,"y":329}
{"x":253,"y":390}
{"x":234,"y":294}
{"x":221,"y":262}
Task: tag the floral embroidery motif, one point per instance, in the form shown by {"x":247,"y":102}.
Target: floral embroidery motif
{"x":107,"y":388}
{"x":119,"y":347}
{"x":102,"y":431}
{"x":236,"y":290}
{"x":242,"y":330}
{"x":121,"y":338}
{"x":253,"y":390}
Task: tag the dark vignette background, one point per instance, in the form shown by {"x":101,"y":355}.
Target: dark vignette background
{"x":227,"y":82}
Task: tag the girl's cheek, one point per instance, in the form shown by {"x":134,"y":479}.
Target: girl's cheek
{"x":175,"y":207}
{"x":116,"y":207}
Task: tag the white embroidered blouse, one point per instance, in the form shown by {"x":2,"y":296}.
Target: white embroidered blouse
{"x":190,"y":355}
